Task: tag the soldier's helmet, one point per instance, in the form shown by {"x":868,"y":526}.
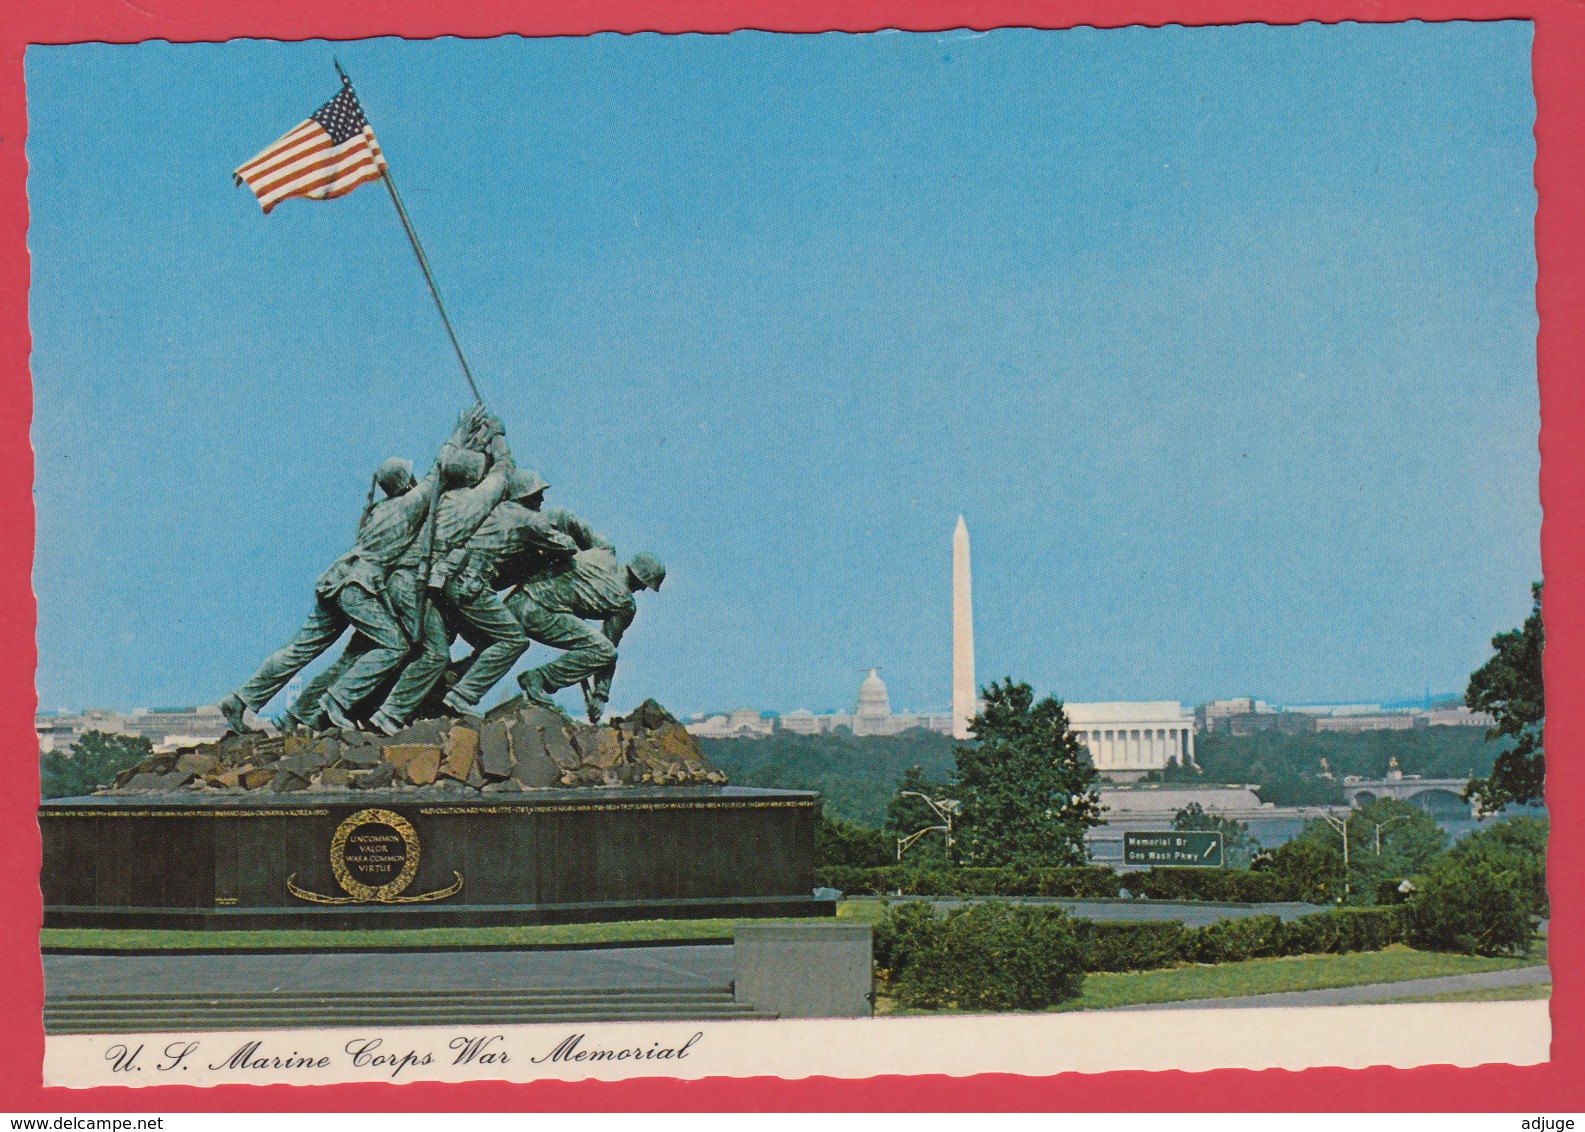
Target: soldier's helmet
{"x":394,"y":476}
{"x":463,"y":466}
{"x":523,"y":484}
{"x":648,"y":569}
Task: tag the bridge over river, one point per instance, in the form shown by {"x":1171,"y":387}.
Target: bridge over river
{"x":1431,"y":793}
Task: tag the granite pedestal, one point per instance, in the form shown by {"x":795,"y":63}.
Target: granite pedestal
{"x":396,"y":859}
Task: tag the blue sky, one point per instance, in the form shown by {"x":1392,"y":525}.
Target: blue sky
{"x":1221,"y":339}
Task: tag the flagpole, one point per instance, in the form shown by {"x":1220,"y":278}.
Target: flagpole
{"x":423,"y":262}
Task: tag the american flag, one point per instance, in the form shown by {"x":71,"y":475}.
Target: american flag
{"x":329,"y":155}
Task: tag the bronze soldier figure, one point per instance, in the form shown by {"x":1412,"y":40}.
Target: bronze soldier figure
{"x":422,"y":602}
{"x":555,"y":608}
{"x":353,"y":592}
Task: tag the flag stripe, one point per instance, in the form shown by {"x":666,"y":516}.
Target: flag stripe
{"x":309,"y":163}
{"x":286,"y":153}
{"x":305,"y":177}
{"x":326,"y":156}
{"x":290,"y":164}
{"x":297,"y":134}
{"x":310,"y":160}
{"x":316,"y":186}
{"x":311,"y":184}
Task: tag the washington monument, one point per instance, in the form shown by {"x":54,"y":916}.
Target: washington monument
{"x":963,"y":697}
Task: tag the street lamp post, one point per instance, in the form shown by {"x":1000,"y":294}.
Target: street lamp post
{"x":1341,"y":825}
{"x":1381,"y":825}
{"x":943,"y":808}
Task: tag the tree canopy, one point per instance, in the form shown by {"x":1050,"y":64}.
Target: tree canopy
{"x":1510,"y":687}
{"x":1237,"y":847}
{"x":96,"y":758}
{"x":1027,"y":786}
{"x":907,"y":815}
{"x":1388,"y":840}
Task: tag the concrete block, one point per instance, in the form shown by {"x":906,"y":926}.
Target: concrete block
{"x":460,"y":749}
{"x":258,"y":776}
{"x":534,"y":767}
{"x":804,"y":970}
{"x":495,"y":750}
{"x":375,"y":778}
{"x":196,"y":762}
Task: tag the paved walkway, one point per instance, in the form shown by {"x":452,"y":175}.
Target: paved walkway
{"x":679,"y":966}
{"x":1368,"y":992}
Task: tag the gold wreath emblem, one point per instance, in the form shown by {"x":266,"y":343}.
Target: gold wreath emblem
{"x":391,"y":891}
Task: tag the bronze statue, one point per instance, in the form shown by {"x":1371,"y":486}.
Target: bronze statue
{"x":555,"y":609}
{"x":417,"y":584}
{"x":353,"y":591}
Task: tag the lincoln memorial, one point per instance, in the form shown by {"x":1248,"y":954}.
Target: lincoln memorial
{"x":1127,"y":740}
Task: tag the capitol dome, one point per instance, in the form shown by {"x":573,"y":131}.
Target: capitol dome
{"x":873,"y":701}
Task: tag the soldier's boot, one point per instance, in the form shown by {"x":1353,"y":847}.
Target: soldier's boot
{"x":534,"y":691}
{"x":384,"y":724}
{"x":232,"y":707}
{"x":331,"y":712}
{"x":459,"y":705}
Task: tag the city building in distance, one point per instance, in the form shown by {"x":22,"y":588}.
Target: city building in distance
{"x":1245,"y":716}
{"x":166,"y":728}
{"x":871,"y":715}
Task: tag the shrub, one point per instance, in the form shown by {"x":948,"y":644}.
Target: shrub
{"x":1071,"y":881}
{"x":1395,"y":890}
{"x":95,"y":759}
{"x":1161,"y":943}
{"x":1342,"y":930}
{"x":905,"y":931}
{"x":846,"y":843}
{"x":1233,"y":885}
{"x":1515,"y":848}
{"x":1137,"y":946}
{"x":1468,"y":906}
{"x":990,"y":956}
{"x":1229,"y":941}
{"x":1305,"y":869}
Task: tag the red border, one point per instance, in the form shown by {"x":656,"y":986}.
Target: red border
{"x":1560,"y":229}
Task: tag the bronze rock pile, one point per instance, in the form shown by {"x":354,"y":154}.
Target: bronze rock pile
{"x":517,"y":746}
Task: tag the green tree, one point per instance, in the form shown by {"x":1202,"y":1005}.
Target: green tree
{"x":1387,"y":839}
{"x":1237,"y":848}
{"x":1469,"y":906}
{"x":95,"y":759}
{"x":1516,"y":850}
{"x":1509,"y":686}
{"x":1310,"y":869}
{"x":906,"y":815}
{"x":839,"y":842}
{"x":1026,"y":786}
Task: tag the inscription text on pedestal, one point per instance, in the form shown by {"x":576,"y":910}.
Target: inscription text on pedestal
{"x":374,"y":858}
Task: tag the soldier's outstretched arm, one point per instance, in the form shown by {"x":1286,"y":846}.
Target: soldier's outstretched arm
{"x":616,"y":624}
{"x":600,"y":682}
{"x":578,"y":530}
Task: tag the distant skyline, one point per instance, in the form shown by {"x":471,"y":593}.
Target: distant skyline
{"x":1221,"y":339}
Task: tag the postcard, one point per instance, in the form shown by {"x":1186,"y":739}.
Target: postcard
{"x":670,"y":555}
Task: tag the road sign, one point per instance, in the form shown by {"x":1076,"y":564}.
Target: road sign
{"x":1173,"y":847}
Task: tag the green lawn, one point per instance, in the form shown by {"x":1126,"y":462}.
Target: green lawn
{"x":1528,"y":992}
{"x":1268,"y":976}
{"x":627,"y":931}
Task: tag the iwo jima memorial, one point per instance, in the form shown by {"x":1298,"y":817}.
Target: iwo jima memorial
{"x":384,"y":797}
